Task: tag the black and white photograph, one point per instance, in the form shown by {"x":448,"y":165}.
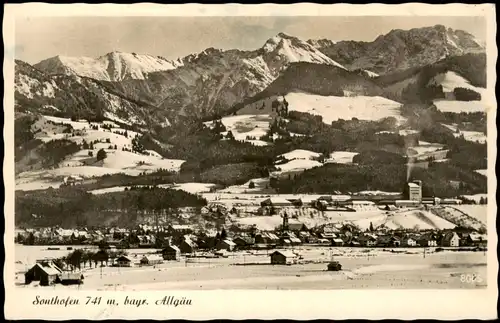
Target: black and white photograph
{"x":272,"y":152}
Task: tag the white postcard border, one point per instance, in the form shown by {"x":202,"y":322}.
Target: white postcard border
{"x":245,"y":304}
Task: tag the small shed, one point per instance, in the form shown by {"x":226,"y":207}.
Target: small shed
{"x":171,"y":253}
{"x":123,"y":261}
{"x":46,"y":274}
{"x":283,"y":258}
{"x":150,"y":260}
{"x":226,"y":245}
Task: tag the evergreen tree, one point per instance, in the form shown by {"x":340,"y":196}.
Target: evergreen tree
{"x":223,"y":234}
{"x":230,"y":135}
{"x":101,"y":154}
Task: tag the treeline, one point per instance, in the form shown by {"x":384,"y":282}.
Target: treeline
{"x":75,"y":207}
{"x":440,"y":179}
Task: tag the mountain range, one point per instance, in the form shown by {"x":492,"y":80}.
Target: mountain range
{"x":147,"y":90}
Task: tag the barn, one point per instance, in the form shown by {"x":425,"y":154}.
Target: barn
{"x":283,"y":258}
{"x":45,"y":273}
{"x":151,"y":260}
{"x":123,"y":261}
{"x":171,"y":253}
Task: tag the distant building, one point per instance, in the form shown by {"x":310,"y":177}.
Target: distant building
{"x":283,"y":258}
{"x":451,"y":239}
{"x":123,"y":261}
{"x":180,"y":229}
{"x":368,"y":240}
{"x":171,"y":253}
{"x":188,"y":246}
{"x":409,"y":241}
{"x":427,"y":240}
{"x":226,"y":244}
{"x":243,"y":242}
{"x":337,"y":242}
{"x":415,"y":191}
{"x":151,"y":260}
{"x":73,"y":180}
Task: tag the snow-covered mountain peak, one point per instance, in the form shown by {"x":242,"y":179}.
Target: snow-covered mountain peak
{"x":113,"y":66}
{"x":285,"y":49}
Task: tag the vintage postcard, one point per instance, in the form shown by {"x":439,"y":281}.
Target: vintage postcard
{"x":239,"y":161}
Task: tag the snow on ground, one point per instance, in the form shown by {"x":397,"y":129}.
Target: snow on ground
{"x":83,"y":163}
{"x":123,"y":65}
{"x":193,"y":188}
{"x":243,"y":126}
{"x":341,"y":157}
{"x":407,"y":219}
{"x":460,"y":106}
{"x":128,"y":160}
{"x":407,"y":132}
{"x":474,"y":136}
{"x":300,"y":154}
{"x":37,"y":185}
{"x":426,"y":147}
{"x":109,"y":190}
{"x":377,"y":193}
{"x":371,"y":74}
{"x":482,"y":171}
{"x":258,"y":142}
{"x":260,"y":184}
{"x":297,"y":164}
{"x":332,"y":108}
{"x":479,"y":212}
{"x":451,"y":80}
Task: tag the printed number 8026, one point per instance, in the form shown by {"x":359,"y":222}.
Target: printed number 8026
{"x":470,"y":278}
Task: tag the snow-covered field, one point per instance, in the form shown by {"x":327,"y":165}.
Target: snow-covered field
{"x":451,"y":80}
{"x":300,"y":154}
{"x":474,"y":136}
{"x":83,"y":163}
{"x":193,"y":188}
{"x":297,"y":165}
{"x":478,"y":212}
{"x":426,"y":147}
{"x":407,"y":218}
{"x":361,"y":268}
{"x":341,"y":157}
{"x":460,"y":106}
{"x":483,"y":172}
{"x":243,"y":126}
{"x":332,"y":108}
{"x":260,"y":184}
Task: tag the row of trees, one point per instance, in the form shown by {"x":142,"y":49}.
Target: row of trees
{"x":73,"y":206}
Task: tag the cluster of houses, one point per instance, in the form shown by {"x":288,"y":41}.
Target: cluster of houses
{"x":187,"y":239}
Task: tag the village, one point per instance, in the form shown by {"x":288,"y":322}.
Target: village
{"x":70,"y":254}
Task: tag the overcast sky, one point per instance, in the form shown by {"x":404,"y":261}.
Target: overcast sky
{"x":174,"y":37}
